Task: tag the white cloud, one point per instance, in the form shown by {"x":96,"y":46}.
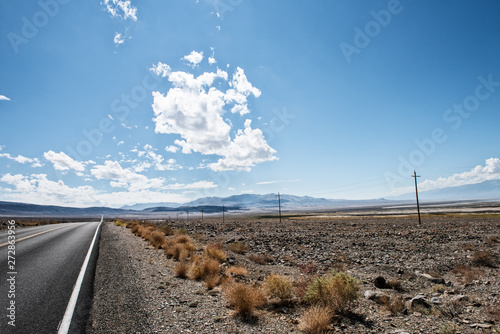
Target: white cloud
{"x":151,"y":158}
{"x":120,"y":143}
{"x":161,"y":70}
{"x":276,"y":181}
{"x":478,"y":174}
{"x":62,"y":161}
{"x":194,"y":57}
{"x":211,"y":60}
{"x":118,"y":39}
{"x":171,"y":149}
{"x":120,"y":8}
{"x":194,"y":185}
{"x":193,"y":109}
{"x":4,"y":98}
{"x":21,"y":159}
{"x":111,"y":170}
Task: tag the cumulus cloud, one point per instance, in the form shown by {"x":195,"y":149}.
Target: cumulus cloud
{"x":478,"y":174}
{"x":120,"y":8}
{"x":211,"y":60}
{"x":151,"y":158}
{"x":171,"y":149}
{"x":161,"y":70}
{"x":124,"y":177}
{"x":193,"y":108}
{"x":4,"y":98}
{"x":194,"y":57}
{"x":276,"y":181}
{"x":21,"y":159}
{"x":62,"y":161}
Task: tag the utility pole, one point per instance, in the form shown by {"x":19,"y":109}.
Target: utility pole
{"x":223,"y":214}
{"x":416,"y":193}
{"x":279,"y":206}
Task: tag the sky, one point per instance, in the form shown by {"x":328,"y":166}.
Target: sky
{"x":113,"y":102}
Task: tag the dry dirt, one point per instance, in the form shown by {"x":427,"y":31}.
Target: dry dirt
{"x":136,"y":291}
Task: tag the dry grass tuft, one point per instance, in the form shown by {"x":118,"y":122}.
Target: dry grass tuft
{"x":483,"y":258}
{"x":261,"y":259}
{"x":136,"y":229}
{"x":467,"y":273}
{"x":244,"y":298}
{"x":394,"y":284}
{"x":215,"y":252}
{"x":395,"y":305}
{"x":236,"y":271}
{"x":238,"y":248}
{"x":336,"y":290}
{"x":167,"y":230}
{"x":211,"y":281}
{"x":181,"y":269}
{"x":157,"y":239}
{"x":206,"y":267}
{"x":316,"y":319}
{"x":180,"y":247}
{"x":492,"y":239}
{"x":278,"y":286}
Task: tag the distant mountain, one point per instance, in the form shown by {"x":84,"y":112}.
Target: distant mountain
{"x":24,"y":209}
{"x":142,"y":206}
{"x":486,"y":190}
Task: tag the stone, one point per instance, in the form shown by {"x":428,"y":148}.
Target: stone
{"x":380,"y":282}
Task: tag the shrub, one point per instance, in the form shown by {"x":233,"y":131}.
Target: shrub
{"x":316,"y":319}
{"x":336,"y":290}
{"x":157,"y":239}
{"x":395,"y":304}
{"x":201,"y":269}
{"x":236,"y":271}
{"x":120,"y":222}
{"x":483,"y":258}
{"x":181,"y":269}
{"x":150,"y":228}
{"x":215,"y":252}
{"x":244,"y":298}
{"x":261,"y":259}
{"x":449,"y":328}
{"x":136,"y":229}
{"x":238,"y":247}
{"x":211,"y":281}
{"x":167,"y":230}
{"x":181,"y":231}
{"x":467,"y":273}
{"x":277,"y":286}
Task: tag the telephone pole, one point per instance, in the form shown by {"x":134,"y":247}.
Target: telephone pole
{"x":416,"y":194}
{"x":279,"y":206}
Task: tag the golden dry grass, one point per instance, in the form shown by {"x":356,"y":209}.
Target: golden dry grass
{"x":236,"y":270}
{"x":181,"y":270}
{"x":215,"y":252}
{"x":244,"y":298}
{"x":278,"y":286}
{"x":157,"y":239}
{"x":316,"y":319}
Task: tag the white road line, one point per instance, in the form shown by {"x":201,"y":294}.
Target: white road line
{"x":68,"y":315}
{"x":33,"y":235}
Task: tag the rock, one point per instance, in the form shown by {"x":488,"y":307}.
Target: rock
{"x":418,"y":300}
{"x":460,"y":298}
{"x":436,"y":300}
{"x":380,"y":282}
{"x":480,"y":326}
{"x":193,"y":304}
{"x":378,"y":297}
{"x":434,"y":279}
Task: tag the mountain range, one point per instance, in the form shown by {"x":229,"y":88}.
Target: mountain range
{"x":487,"y":190}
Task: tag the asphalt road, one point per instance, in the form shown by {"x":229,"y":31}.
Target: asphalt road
{"x":48,"y":263}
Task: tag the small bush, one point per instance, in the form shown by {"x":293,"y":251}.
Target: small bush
{"x":236,"y":271}
{"x":336,"y":290}
{"x":395,"y":305}
{"x":136,"y":229}
{"x":204,"y":268}
{"x":167,"y":230}
{"x":483,"y":258}
{"x":211,"y":281}
{"x":181,"y":270}
{"x":120,"y":222}
{"x":157,"y":239}
{"x":316,"y":319}
{"x":277,"y":286}
{"x":394,"y":284}
{"x":439,"y":288}
{"x":150,"y":228}
{"x":238,"y":247}
{"x":244,"y":298}
{"x":467,"y":273}
{"x":181,"y":231}
{"x":261,"y":259}
{"x":215,"y":252}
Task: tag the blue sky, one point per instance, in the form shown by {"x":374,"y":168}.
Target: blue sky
{"x":118,"y":102}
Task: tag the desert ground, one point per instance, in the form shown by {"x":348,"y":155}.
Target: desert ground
{"x":438,"y":277}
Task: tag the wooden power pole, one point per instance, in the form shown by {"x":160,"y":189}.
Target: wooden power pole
{"x":416,"y":194}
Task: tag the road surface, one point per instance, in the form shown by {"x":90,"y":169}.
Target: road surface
{"x":39,"y":279}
